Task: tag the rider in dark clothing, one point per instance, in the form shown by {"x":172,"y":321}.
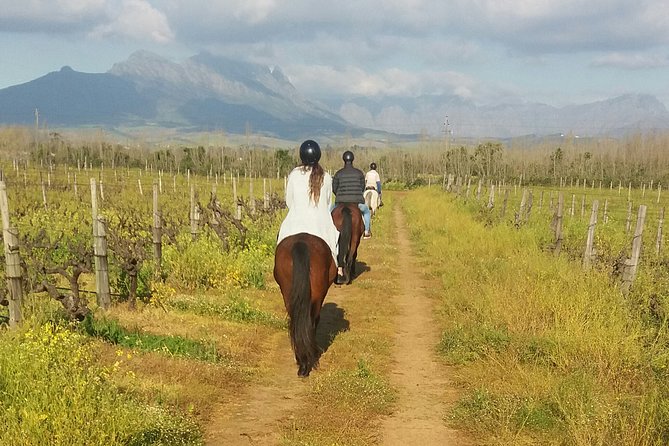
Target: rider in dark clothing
{"x":348,"y":185}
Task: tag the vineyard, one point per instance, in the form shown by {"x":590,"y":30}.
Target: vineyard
{"x":158,"y":236}
{"x":531,"y":290}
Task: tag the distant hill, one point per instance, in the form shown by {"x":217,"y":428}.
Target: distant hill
{"x":203,"y":93}
{"x":613,"y":117}
{"x":212,"y":93}
{"x":70,"y":98}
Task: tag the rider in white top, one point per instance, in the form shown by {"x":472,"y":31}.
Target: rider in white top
{"x":308,"y":202}
{"x":373,"y":180}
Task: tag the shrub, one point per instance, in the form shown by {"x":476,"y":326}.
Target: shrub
{"x":52,"y":392}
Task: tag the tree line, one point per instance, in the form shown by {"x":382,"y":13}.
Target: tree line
{"x":542,"y":161}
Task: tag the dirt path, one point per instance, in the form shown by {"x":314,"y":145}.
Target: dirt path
{"x":257,"y":414}
{"x":423,"y":388}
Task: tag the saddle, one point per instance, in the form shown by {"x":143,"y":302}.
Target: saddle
{"x":370,"y":188}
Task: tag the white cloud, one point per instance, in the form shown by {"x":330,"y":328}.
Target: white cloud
{"x":253,"y":11}
{"x":354,"y":81}
{"x":136,"y":19}
{"x":634,"y":61}
{"x":38,"y":15}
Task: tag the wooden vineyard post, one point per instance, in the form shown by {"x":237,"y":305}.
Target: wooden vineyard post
{"x":194,"y":214}
{"x":234,"y":191}
{"x":628,"y":222}
{"x":583,"y":205}
{"x":573,"y":205}
{"x":100,"y":252}
{"x":588,"y":255}
{"x":559,"y":212}
{"x":631,"y":264}
{"x":157,"y":231}
{"x":659,"y":192}
{"x":449,"y":183}
{"x":10,"y":237}
{"x":541,"y":200}
{"x":528,"y":206}
{"x":504,"y":203}
{"x":606,"y":211}
{"x":265,"y":196}
{"x":658,"y":240}
{"x":521,"y":210}
{"x":491,"y":198}
{"x":478,"y":189}
{"x":43,"y":192}
{"x":252,"y":200}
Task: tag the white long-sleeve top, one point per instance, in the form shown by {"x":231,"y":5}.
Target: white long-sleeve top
{"x":306,"y":216}
{"x":371,"y":178}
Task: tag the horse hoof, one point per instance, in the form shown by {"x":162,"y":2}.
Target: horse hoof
{"x":303,"y":371}
{"x":340,"y":280}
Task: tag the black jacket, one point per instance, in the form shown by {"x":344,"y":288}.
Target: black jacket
{"x":348,"y":185}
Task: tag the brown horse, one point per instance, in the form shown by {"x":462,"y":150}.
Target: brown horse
{"x":348,"y":220}
{"x":304,"y":269}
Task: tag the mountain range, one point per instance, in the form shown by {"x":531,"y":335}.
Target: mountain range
{"x":213,"y":93}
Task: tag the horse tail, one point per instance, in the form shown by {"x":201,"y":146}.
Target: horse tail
{"x":302,"y":333}
{"x":345,"y":236}
{"x":368,"y":199}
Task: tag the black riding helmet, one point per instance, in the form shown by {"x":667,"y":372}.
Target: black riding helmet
{"x":310,"y":152}
{"x":372,"y":166}
{"x":348,"y":156}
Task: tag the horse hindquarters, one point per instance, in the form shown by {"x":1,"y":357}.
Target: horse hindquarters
{"x":302,"y":326}
{"x":372,"y":200}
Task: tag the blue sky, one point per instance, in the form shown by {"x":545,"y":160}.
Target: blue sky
{"x":489,"y":51}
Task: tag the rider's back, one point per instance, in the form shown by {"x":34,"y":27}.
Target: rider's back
{"x":348,"y":185}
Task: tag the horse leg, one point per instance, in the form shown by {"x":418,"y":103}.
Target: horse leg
{"x":353,"y":264}
{"x":348,"y":273}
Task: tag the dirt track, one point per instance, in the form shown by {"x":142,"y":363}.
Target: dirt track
{"x":423,"y":389}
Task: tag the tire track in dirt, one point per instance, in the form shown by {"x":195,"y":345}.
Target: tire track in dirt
{"x":424,"y":391}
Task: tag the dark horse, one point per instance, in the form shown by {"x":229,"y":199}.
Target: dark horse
{"x":304,"y":269}
{"x":348,"y":220}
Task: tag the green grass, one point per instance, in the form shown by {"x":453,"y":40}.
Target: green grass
{"x":236,"y":309}
{"x":53,"y":392}
{"x":546,"y":353}
{"x":111,"y":331}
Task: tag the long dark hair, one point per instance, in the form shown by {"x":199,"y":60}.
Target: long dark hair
{"x":315,"y":181}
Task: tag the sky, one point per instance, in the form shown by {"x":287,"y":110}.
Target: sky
{"x":488,"y":51}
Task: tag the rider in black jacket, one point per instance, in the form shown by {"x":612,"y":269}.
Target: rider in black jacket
{"x":348,"y":185}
